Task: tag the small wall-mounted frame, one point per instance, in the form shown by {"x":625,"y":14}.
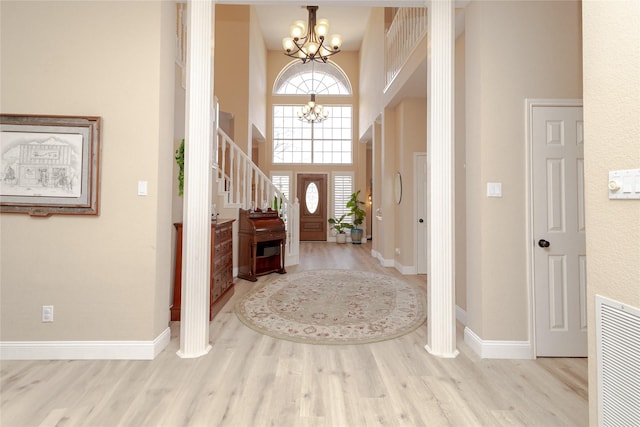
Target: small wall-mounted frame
{"x":397,"y":188}
{"x":49,"y":164}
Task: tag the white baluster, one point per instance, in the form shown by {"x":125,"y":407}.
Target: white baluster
{"x":224,"y":162}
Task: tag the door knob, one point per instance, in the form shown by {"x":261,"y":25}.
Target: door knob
{"x":421,"y":220}
{"x":543,"y":243}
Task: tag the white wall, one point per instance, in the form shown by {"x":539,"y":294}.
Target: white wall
{"x":514,"y":50}
{"x":257,"y":77}
{"x":371,"y":76}
{"x":411,"y":137}
{"x":108,"y":276}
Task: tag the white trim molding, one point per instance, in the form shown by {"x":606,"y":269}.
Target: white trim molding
{"x":405,"y":269}
{"x":494,"y":349}
{"x":383,"y":262}
{"x":85,"y":350}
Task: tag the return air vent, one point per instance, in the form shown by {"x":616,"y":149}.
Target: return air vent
{"x":618,"y":347}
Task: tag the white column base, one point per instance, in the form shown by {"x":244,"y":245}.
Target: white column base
{"x":193,"y":355}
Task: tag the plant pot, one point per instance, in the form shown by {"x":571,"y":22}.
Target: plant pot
{"x":356,"y":236}
{"x":341,"y":238}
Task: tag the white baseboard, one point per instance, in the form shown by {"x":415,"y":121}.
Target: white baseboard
{"x":405,"y":269}
{"x":461,"y":315}
{"x":88,"y":350}
{"x":383,"y":262}
{"x":491,"y":349}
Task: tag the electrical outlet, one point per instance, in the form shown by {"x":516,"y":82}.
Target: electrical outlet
{"x":47,"y":313}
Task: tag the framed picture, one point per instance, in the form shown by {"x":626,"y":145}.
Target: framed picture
{"x":49,"y":164}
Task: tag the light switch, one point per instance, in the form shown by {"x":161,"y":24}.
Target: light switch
{"x":494,"y":189}
{"x":624,"y":184}
{"x":142,"y":188}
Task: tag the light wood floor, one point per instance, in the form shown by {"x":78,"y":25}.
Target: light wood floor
{"x":249,"y":379}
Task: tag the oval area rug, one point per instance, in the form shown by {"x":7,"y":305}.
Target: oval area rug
{"x":333,"y":307}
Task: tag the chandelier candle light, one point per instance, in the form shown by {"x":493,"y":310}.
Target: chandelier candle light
{"x":312,"y":46}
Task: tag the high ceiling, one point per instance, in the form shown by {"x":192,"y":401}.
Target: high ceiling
{"x":350,"y":22}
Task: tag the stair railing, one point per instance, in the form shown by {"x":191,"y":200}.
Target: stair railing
{"x":243,"y":185}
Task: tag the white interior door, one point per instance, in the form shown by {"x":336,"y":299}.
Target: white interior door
{"x":421,"y":197}
{"x":559,"y":231}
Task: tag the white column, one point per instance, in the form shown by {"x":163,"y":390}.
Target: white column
{"x":441,"y":323}
{"x":196,"y":244}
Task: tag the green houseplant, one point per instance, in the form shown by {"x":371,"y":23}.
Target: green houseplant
{"x":356,"y":209}
{"x":340,"y":226}
{"x":180,"y":162}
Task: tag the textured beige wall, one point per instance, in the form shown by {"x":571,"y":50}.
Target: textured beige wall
{"x":371,"y":74}
{"x":411,"y":138}
{"x":514,"y":50}
{"x":108,"y":276}
{"x":257,"y":77}
{"x":377,"y":230}
{"x":240,"y":73}
{"x":612,"y":142}
{"x":165,"y":160}
{"x":386,"y":246}
{"x":231,"y":74}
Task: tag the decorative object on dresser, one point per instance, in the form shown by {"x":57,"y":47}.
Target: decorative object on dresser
{"x":262,"y":239}
{"x":221,"y":285}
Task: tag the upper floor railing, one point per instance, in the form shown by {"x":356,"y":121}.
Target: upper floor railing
{"x":407,"y":29}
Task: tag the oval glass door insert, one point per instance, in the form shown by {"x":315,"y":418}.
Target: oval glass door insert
{"x":311,"y":198}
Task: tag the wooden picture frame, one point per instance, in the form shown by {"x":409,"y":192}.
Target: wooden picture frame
{"x":49,"y":164}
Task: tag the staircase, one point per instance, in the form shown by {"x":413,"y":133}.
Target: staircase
{"x":240,"y":184}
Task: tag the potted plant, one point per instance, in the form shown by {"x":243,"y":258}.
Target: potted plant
{"x":340,"y":227}
{"x":180,"y":162}
{"x":355,"y":205}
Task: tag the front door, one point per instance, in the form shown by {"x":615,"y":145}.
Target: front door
{"x":312,"y":194}
{"x":559,"y":231}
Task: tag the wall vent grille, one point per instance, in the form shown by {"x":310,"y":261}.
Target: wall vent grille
{"x":618,"y":349}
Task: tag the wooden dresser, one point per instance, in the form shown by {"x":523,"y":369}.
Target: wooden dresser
{"x":261,"y":247}
{"x":221,"y":268}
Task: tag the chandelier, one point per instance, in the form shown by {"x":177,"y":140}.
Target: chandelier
{"x":310,"y":44}
{"x":312,"y":112}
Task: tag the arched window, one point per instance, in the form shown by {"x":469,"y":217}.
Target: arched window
{"x":300,"y":142}
{"x":304,"y":79}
